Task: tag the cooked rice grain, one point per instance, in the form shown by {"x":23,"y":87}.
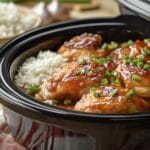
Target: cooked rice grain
{"x":36,"y":69}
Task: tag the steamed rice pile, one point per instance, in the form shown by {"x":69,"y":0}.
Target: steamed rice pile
{"x":14,"y":21}
{"x":35,"y":70}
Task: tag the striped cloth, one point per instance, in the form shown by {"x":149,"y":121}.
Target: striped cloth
{"x":7,"y":141}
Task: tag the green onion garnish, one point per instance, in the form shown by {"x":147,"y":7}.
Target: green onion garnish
{"x":104,"y":46}
{"x":93,"y":89}
{"x":129,"y":42}
{"x":136,"y":77}
{"x":100,"y":60}
{"x":147,"y":67}
{"x":104,"y":81}
{"x":113,"y":92}
{"x":124,"y":56}
{"x":130,"y":94}
{"x":141,"y":58}
{"x":33,"y":89}
{"x":67,"y":102}
{"x":114,"y":73}
{"x":85,"y":71}
{"x":107,"y":73}
{"x":82,"y":62}
{"x":117,"y":82}
{"x":145,"y":51}
{"x":97,"y":94}
{"x":112,"y":45}
{"x":133,"y":63}
{"x":126,"y":44}
{"x":140,"y":64}
{"x":147,"y":40}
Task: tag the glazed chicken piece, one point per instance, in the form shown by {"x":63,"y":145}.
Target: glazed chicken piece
{"x":72,"y":80}
{"x":134,"y":67}
{"x":86,"y":44}
{"x":111,"y":100}
{"x":133,"y":50}
{"x":134,"y":77}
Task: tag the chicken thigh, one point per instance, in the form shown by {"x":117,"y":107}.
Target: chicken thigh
{"x":111,"y":99}
{"x":134,"y":67}
{"x":72,"y":80}
{"x":86,"y":44}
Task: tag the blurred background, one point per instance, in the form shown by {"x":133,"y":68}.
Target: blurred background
{"x":18,"y":16}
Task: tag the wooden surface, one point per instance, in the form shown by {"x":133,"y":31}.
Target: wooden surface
{"x":105,"y":8}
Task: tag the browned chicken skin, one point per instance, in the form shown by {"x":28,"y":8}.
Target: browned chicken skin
{"x":87,"y":44}
{"x":142,"y":85}
{"x":133,"y":50}
{"x":72,"y":80}
{"x":111,"y":100}
{"x":131,"y":65}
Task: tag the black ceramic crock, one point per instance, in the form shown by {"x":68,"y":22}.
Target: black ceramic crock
{"x":39,"y":126}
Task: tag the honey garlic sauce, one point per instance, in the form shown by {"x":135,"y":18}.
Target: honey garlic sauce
{"x":106,"y":104}
{"x":73,"y":80}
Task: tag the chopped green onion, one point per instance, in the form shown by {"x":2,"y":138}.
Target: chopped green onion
{"x":93,"y":89}
{"x":131,"y":58}
{"x":33,"y":89}
{"x":67,"y":102}
{"x":104,"y":81}
{"x":127,"y":62}
{"x":114,"y":73}
{"x":140,"y":58}
{"x":55,"y":102}
{"x":112,"y":45}
{"x":104,"y":46}
{"x":117,"y":82}
{"x":147,"y":67}
{"x":145,"y":51}
{"x":133,"y":63}
{"x":109,"y":59}
{"x":100,"y":60}
{"x":140,"y":64}
{"x":94,"y":59}
{"x":82,"y":62}
{"x":130,"y":94}
{"x":113,"y":92}
{"x":97,"y":94}
{"x":136,"y":77}
{"x":128,"y":43}
{"x":124,"y":56}
{"x":107,"y":73}
{"x":147,"y":40}
{"x":85,"y":71}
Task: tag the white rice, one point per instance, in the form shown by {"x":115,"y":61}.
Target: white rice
{"x":14,"y":21}
{"x":35,"y":70}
